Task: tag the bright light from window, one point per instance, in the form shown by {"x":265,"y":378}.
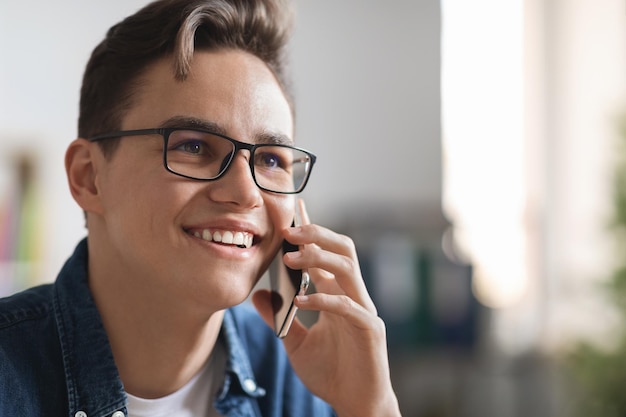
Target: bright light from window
{"x":482,"y":95}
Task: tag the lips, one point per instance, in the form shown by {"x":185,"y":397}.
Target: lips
{"x":225,"y":237}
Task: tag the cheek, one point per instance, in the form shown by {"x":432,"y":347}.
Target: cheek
{"x":138,"y":203}
{"x":281,"y":209}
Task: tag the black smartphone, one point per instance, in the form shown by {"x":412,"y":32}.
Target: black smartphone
{"x":286,"y":284}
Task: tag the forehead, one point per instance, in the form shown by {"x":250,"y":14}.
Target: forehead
{"x":230,"y":88}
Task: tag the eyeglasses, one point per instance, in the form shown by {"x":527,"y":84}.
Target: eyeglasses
{"x":206,"y":156}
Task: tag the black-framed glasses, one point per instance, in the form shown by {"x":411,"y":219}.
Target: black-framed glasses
{"x":206,"y":156}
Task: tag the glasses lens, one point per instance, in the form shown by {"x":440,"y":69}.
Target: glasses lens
{"x":206,"y":156}
{"x":281,"y":168}
{"x":198,"y":155}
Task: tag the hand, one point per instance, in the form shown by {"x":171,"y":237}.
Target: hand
{"x":342,"y":358}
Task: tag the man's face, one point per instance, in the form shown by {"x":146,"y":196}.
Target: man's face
{"x":154,"y":221}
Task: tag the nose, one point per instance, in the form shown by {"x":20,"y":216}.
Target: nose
{"x":237,"y":185}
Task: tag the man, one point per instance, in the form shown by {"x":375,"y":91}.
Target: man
{"x":186,"y":169}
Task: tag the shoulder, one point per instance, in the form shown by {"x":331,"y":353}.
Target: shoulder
{"x":26,"y":306}
{"x":27,"y":322}
{"x":30,"y":355}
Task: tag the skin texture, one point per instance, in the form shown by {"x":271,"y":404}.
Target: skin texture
{"x":145,"y":263}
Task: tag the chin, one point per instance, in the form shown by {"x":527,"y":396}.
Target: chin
{"x":224,"y":296}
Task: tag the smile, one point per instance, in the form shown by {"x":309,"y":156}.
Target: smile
{"x":226,"y":237}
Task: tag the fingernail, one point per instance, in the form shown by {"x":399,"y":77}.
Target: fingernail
{"x":303,"y":299}
{"x":294,"y":255}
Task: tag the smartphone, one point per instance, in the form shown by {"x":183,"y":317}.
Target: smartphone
{"x":286,"y":284}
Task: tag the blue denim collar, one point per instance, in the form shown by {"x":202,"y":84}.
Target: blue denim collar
{"x":93,"y":382}
{"x":238,"y":363}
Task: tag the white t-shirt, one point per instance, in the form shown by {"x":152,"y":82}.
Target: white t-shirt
{"x":195,"y":399}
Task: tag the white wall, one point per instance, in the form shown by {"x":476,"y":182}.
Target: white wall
{"x":44,"y":47}
{"x":367,"y":80}
{"x":367,"y":85}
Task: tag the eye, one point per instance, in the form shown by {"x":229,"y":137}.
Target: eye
{"x":267,"y":160}
{"x":273,"y":158}
{"x":195,"y":147}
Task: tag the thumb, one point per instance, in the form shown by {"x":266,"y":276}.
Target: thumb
{"x":262,"y":300}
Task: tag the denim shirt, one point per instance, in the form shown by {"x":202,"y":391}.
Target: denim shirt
{"x":55,"y":358}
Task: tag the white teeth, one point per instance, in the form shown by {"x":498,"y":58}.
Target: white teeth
{"x":227,"y":237}
{"x":238,"y":239}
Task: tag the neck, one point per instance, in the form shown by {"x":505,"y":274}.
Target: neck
{"x":157,"y":343}
{"x":154,"y":362}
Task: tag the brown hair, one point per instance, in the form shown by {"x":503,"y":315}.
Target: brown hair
{"x":176,"y":28}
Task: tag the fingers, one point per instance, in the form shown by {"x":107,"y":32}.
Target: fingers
{"x":331,"y":260}
{"x":312,"y":234}
{"x":324,"y":281}
{"x":318,"y":235}
{"x":342,"y":306}
{"x":304,"y":215}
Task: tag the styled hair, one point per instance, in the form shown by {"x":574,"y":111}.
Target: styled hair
{"x":177,"y":28}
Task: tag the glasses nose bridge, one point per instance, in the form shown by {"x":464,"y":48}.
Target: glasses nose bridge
{"x":241,"y":146}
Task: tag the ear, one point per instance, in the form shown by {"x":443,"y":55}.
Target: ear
{"x":81,"y":162}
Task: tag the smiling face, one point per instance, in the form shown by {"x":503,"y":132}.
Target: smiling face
{"x":164,"y":237}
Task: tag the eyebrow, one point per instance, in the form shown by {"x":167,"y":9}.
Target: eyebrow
{"x":187,"y":122}
{"x":271,"y":138}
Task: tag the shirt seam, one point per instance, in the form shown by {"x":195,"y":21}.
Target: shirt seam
{"x":23,"y":315}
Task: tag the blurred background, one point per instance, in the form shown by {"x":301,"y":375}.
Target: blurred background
{"x":470,"y":148}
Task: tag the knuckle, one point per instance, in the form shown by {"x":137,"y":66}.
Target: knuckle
{"x":377,"y":328}
{"x":315,"y":230}
{"x":348,"y":243}
{"x":347,"y":303}
{"x":380,"y":326}
{"x":314,"y":253}
{"x":348,"y":264}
